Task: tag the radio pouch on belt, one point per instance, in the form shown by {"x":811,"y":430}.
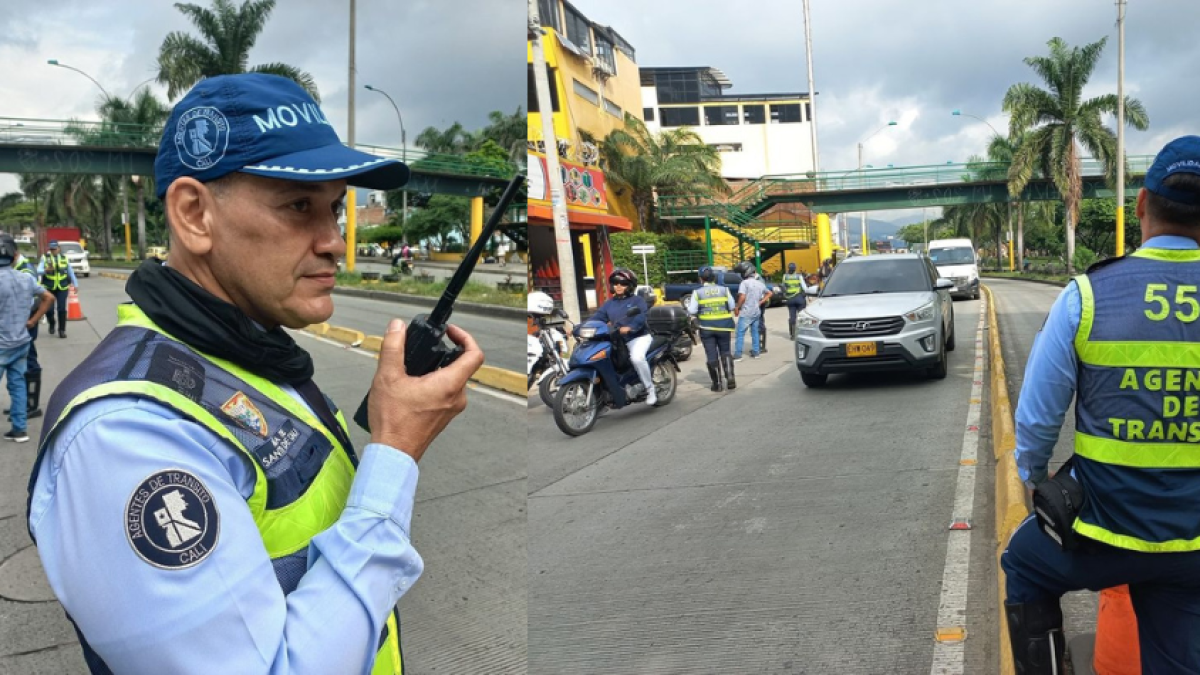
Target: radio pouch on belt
{"x":1057,"y":502}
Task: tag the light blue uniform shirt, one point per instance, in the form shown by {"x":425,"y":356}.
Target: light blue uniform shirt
{"x":41,"y":269}
{"x":16,"y":289}
{"x":1050,"y":377}
{"x":226,"y":614}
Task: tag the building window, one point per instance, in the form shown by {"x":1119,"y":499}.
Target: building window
{"x":613,"y":109}
{"x":578,"y":31}
{"x":623,"y":46}
{"x":604,"y":55}
{"x":785,"y":113}
{"x":586,"y":92}
{"x":548,"y":13}
{"x":754,"y":114}
{"x":552,"y":78}
{"x":676,"y":87}
{"x":720,"y":115}
{"x":726,"y":147}
{"x":680,"y":117}
{"x":648,"y":114}
{"x":808,"y":112}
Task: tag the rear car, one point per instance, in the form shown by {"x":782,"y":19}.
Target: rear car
{"x":77,"y":256}
{"x":877,"y":313}
{"x":955,"y":259}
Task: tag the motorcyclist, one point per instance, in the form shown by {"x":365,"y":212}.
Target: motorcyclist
{"x":713,"y":305}
{"x":615,"y":313}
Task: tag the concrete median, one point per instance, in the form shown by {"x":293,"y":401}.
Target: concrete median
{"x":1010,"y":491}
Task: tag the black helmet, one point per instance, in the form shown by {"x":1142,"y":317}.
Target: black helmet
{"x":625,"y":276}
{"x":8,"y":249}
{"x":791,"y":268}
{"x":707,"y":274}
{"x":745,"y":268}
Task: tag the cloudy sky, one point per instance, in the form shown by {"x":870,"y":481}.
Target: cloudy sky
{"x":913,"y":62}
{"x":441,"y":60}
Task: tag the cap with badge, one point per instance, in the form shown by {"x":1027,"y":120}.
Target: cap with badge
{"x":264,"y":125}
{"x":1181,"y":155}
{"x":52,"y":245}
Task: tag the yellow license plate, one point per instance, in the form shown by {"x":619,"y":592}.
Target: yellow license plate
{"x":861,"y":349}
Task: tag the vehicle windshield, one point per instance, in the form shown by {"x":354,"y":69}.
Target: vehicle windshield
{"x":960,"y":255}
{"x":878,"y":276}
{"x":70,"y":247}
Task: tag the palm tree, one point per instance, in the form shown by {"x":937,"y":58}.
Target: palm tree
{"x":139,"y":122}
{"x":227,"y":34}
{"x":35,"y":186}
{"x":675,"y":161}
{"x":451,"y":140}
{"x":508,"y":131}
{"x":1065,"y":122}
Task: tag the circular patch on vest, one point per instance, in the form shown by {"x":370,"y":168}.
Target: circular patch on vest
{"x":171,"y":520}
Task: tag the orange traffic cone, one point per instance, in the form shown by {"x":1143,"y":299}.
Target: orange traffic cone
{"x":74,"y":309}
{"x":1117,"y":651}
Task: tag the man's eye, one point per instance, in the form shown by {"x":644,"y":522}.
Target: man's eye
{"x":301,"y":206}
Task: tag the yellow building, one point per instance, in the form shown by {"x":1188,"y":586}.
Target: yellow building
{"x":594,"y":82}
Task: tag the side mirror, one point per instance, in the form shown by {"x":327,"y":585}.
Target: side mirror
{"x":943,"y":284}
{"x":560,"y":313}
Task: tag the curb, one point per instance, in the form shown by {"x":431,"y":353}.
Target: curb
{"x":1048,"y":282}
{"x":1010,"y":491}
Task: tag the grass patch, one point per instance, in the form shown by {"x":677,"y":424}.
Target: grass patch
{"x":1027,"y":275}
{"x":472,"y":292}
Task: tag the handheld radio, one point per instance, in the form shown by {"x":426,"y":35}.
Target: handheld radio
{"x":424,"y":347}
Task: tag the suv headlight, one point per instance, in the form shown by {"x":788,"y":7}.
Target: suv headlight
{"x":924,"y":313}
{"x":806,"y":320}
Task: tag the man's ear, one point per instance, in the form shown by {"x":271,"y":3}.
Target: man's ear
{"x":191,"y":212}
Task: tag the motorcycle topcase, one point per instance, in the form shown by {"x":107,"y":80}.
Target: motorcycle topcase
{"x":667,"y":319}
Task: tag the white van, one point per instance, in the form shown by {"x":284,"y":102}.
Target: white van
{"x":957,"y":261}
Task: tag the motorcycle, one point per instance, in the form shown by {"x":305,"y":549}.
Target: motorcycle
{"x":681,"y":348}
{"x":546,"y":353}
{"x":595,"y":382}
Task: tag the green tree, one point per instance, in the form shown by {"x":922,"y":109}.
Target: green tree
{"x":507,"y":131}
{"x":674,"y":161}
{"x":1097,"y":227}
{"x":453,"y":140}
{"x":442,"y":216}
{"x":35,"y":187}
{"x":227,"y":34}
{"x":137,"y":122}
{"x":1056,"y":121}
{"x":622,"y":245}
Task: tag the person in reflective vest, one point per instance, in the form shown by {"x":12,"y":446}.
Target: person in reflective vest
{"x":712,"y":305}
{"x":1121,"y":341}
{"x":795,"y":290}
{"x":58,"y":278}
{"x":197,"y":504}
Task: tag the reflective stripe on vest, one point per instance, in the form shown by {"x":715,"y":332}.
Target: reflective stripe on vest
{"x":293,"y":499}
{"x":714,"y":313}
{"x":792,"y":284}
{"x":1137,"y":410}
{"x":56,"y":272}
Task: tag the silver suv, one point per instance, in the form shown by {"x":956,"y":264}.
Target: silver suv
{"x":881,"y":312}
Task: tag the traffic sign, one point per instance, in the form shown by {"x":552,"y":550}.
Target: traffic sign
{"x":647,"y":249}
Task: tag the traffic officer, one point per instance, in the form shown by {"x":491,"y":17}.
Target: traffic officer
{"x":58,"y":278}
{"x":795,"y":290}
{"x":712,"y":305}
{"x":1121,"y":341}
{"x":196,"y":502}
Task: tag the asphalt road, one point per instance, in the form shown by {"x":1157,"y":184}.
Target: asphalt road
{"x":774,"y":529}
{"x":1021,"y":309}
{"x":467,"y":614}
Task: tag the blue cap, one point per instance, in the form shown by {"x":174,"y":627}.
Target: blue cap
{"x":264,"y":125}
{"x":1181,"y":155}
{"x":53,"y":244}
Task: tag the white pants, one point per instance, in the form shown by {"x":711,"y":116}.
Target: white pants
{"x":637,"y":354}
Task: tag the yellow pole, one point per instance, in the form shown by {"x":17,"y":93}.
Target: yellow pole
{"x":824,"y":238}
{"x":1120,"y":229}
{"x":128,"y":243}
{"x":351,"y":233}
{"x":1010,"y":255}
{"x":476,"y":219}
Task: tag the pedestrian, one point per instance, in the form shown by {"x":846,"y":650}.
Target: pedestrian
{"x":502,"y":251}
{"x":764,"y":305}
{"x":16,"y":288}
{"x":58,"y":278}
{"x":712,"y":304}
{"x":1120,"y":340}
{"x":796,"y":290}
{"x":752,"y":293}
{"x":196,"y":501}
{"x":615,"y":312}
{"x":33,"y":370}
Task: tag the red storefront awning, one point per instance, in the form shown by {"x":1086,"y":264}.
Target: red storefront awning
{"x":580,"y":220}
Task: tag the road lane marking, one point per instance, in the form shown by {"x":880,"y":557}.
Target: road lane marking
{"x":951,"y":634}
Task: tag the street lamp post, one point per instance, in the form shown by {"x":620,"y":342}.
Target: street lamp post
{"x":1120,"y":127}
{"x":403,"y":154}
{"x":1011,"y":265}
{"x":860,"y":168}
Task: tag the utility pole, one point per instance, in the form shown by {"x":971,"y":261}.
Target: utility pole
{"x":812,"y":122}
{"x":1120,"y":127}
{"x":351,"y":197}
{"x":864,"y":213}
{"x":558,"y":205}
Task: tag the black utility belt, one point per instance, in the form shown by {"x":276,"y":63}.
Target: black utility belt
{"x":1057,"y":502}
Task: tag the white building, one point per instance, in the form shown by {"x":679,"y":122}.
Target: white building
{"x":756,"y":134}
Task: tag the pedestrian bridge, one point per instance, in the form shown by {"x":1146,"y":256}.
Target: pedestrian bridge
{"x":74,"y":147}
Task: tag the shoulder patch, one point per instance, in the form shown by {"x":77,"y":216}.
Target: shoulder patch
{"x":242,"y":410}
{"x":171,"y":520}
{"x":1103,"y":263}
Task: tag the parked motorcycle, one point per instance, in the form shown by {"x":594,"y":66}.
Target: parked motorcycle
{"x":545,"y":346}
{"x":596,"y":381}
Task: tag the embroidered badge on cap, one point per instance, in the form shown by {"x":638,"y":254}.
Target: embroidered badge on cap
{"x":201,"y":137}
{"x":171,"y":520}
{"x":242,"y":411}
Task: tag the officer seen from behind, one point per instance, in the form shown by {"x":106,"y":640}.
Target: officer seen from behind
{"x":795,"y":290}
{"x":1122,"y":341}
{"x":58,"y":278}
{"x":713,"y":305}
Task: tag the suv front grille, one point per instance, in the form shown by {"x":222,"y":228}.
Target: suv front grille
{"x":856,"y":328}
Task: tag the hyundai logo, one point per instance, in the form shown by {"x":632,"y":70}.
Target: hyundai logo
{"x":862,"y":325}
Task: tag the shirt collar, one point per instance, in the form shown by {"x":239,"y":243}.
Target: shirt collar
{"x":1170,"y":242}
